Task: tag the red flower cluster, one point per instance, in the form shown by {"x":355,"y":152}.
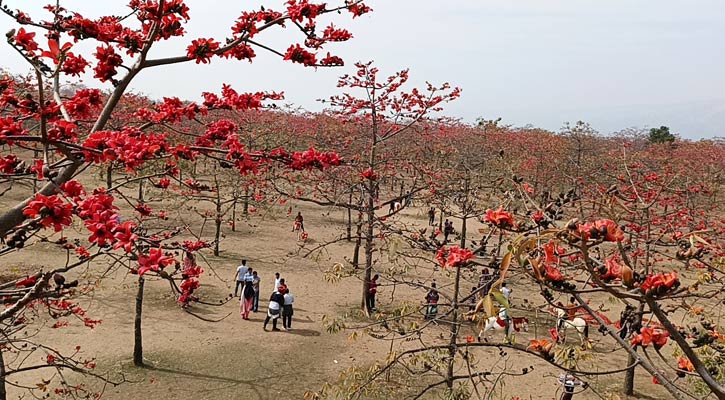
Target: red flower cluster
{"x":453,"y":257}
{"x":499,"y":218}
{"x":660,"y":283}
{"x":649,"y":336}
{"x":74,"y":65}
{"x":194,"y":246}
{"x":297,"y":54}
{"x":356,"y":8}
{"x":238,"y":101}
{"x":684,"y":364}
{"x":241,"y":52}
{"x":612,"y":270}
{"x":108,"y":60}
{"x":330,"y":61}
{"x":124,"y":236}
{"x":9,"y":163}
{"x":202,"y":50}
{"x":312,"y":158}
{"x":51,"y":210}
{"x":26,"y":41}
{"x":299,"y":11}
{"x":369,"y":174}
{"x":156,"y":260}
{"x":129,"y":146}
{"x":604,"y":229}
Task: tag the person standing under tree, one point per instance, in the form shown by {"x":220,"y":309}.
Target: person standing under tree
{"x":276,"y":301}
{"x":276,"y":281}
{"x":372,"y":290}
{"x":506,"y":293}
{"x":246,"y":300}
{"x":255,"y":285}
{"x":432,"y":216}
{"x":299,"y":221}
{"x":287,"y":310}
{"x":239,"y":276}
{"x":431,"y":301}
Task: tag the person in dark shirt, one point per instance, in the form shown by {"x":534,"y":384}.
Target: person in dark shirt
{"x":372,"y":290}
{"x":431,"y":299}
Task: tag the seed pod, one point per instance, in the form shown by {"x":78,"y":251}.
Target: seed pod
{"x":627,"y":276}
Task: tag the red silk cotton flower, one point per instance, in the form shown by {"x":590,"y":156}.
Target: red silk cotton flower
{"x":660,"y":283}
{"x":453,"y":257}
{"x":154,"y":261}
{"x":51,"y":210}
{"x":649,"y":336}
{"x":499,"y":218}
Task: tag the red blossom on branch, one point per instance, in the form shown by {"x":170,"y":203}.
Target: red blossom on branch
{"x":649,"y":336}
{"x":499,"y":218}
{"x":156,"y":260}
{"x":453,"y":256}
{"x":51,"y":210}
{"x":202,"y":50}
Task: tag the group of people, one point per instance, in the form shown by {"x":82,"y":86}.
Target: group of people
{"x":280,"y":302}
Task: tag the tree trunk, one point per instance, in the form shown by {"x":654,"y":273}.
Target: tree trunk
{"x":109,"y":176}
{"x":368,"y":251}
{"x":246,"y":201}
{"x":629,"y":377}
{"x":358,"y":244}
{"x":137,"y":336}
{"x":349,"y":218}
{"x":464,"y":218}
{"x":234,"y":215}
{"x":218,"y":219}
{"x":140,"y":191}
{"x":454,"y":331}
{"x":3,"y":392}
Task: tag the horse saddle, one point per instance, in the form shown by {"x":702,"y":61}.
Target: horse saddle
{"x":500,"y":322}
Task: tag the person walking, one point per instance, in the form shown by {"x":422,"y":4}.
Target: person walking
{"x":246,"y":300}
{"x":239,"y":276}
{"x":431,"y":301}
{"x":255,"y":285}
{"x":372,"y":290}
{"x":276,"y":301}
{"x":287,"y":310}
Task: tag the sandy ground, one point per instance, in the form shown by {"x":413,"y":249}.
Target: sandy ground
{"x":236,"y":359}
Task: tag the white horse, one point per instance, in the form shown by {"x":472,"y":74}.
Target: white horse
{"x":493,"y":324}
{"x":563,"y":323}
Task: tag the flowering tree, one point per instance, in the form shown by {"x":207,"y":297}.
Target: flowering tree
{"x":640,"y":228}
{"x":69,"y":133}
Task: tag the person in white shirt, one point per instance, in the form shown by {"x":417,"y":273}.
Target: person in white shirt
{"x":506,"y":292}
{"x":239,"y":276}
{"x":276,"y":281}
{"x":287,"y":310}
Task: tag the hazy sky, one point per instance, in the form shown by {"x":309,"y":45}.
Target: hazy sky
{"x":613,"y":63}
